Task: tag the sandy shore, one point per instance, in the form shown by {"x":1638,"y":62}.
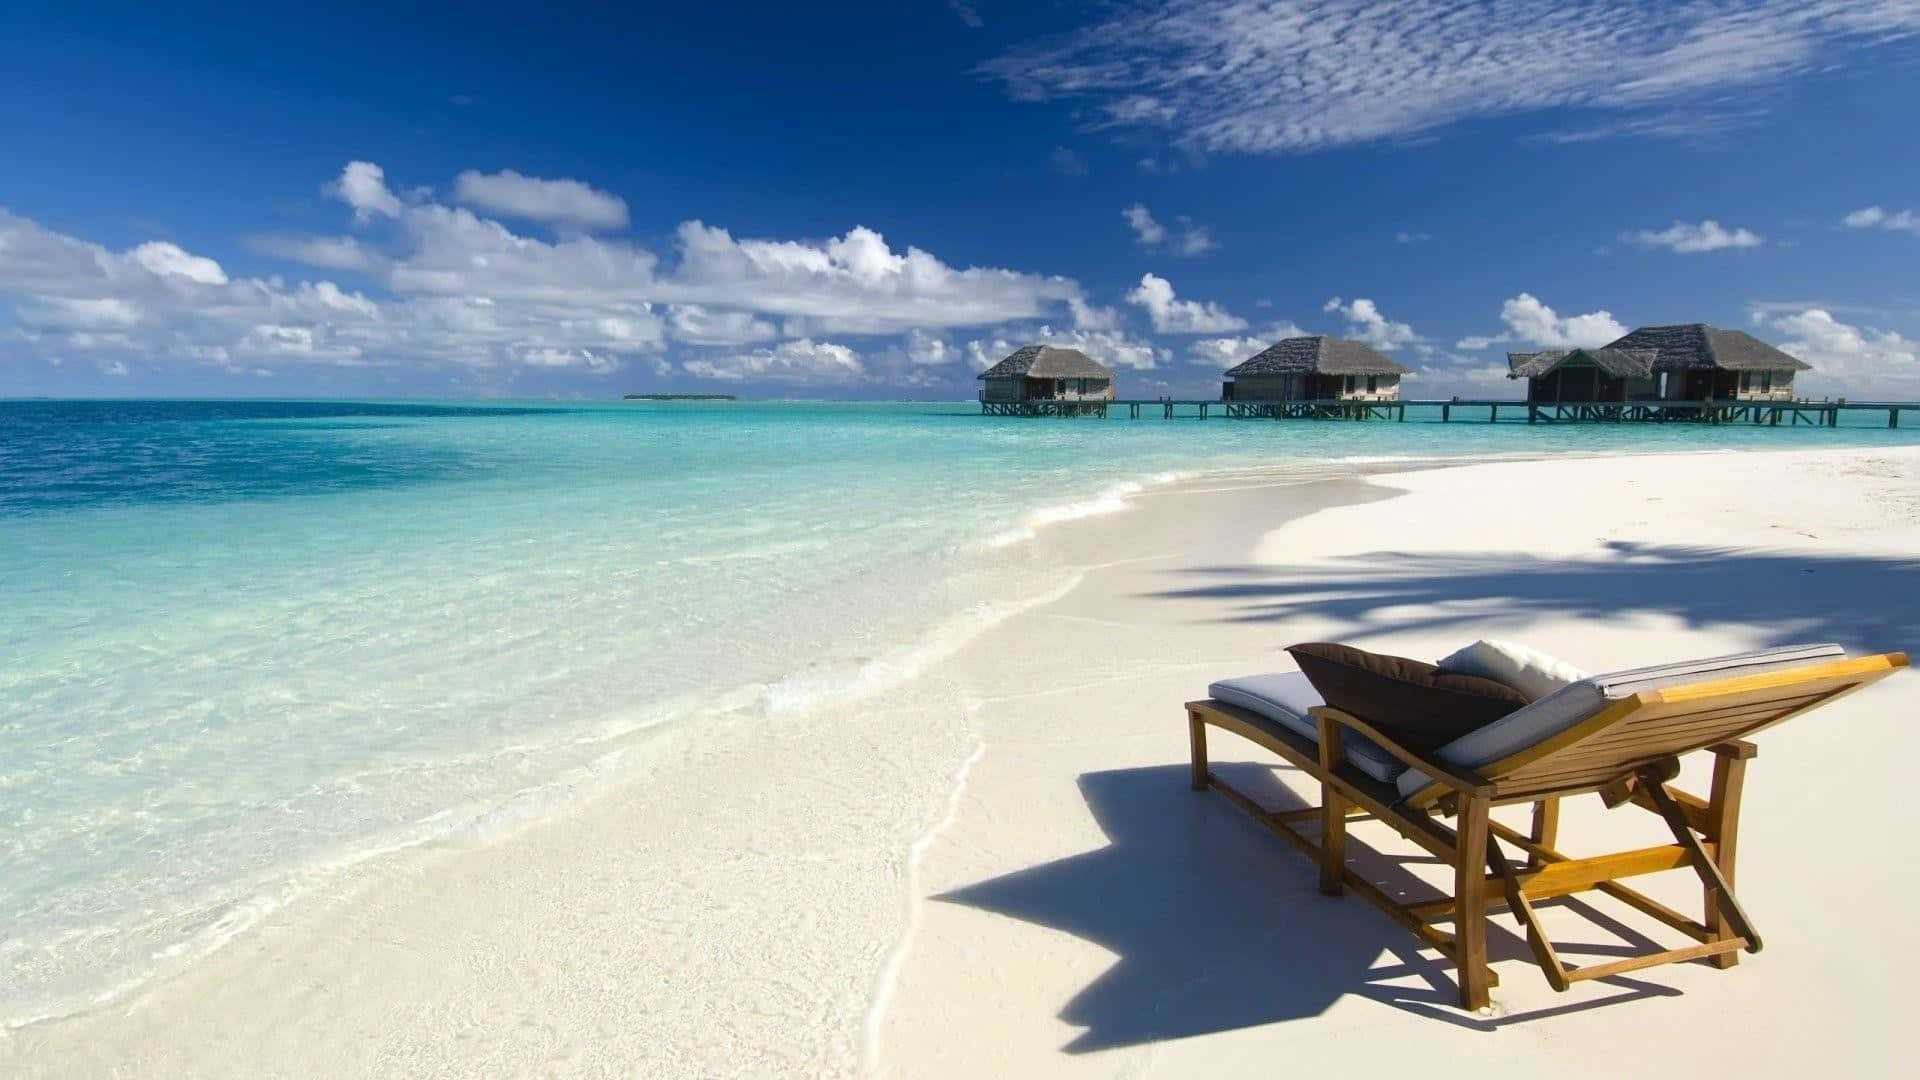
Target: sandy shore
{"x":995,"y":868}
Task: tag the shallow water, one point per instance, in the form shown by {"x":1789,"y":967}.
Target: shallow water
{"x":251,"y":643}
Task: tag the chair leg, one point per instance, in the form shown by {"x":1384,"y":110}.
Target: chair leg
{"x":1723,"y":815}
{"x":1197,"y":736}
{"x":1470,"y":904}
{"x":1720,"y":898}
{"x":1529,"y":920}
{"x":1333,"y":840}
{"x":1546,"y":829}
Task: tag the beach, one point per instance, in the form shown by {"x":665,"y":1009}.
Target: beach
{"x":987,"y":862}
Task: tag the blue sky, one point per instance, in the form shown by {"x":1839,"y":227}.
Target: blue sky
{"x":878,"y":200}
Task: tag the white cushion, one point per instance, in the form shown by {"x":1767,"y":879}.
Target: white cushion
{"x":1529,"y":671}
{"x":1284,"y":697}
{"x":1578,"y":701}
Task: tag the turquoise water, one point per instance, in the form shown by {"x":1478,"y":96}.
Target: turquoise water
{"x":250,"y":643}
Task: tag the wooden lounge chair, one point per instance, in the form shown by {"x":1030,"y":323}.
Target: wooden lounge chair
{"x":1621,"y":736}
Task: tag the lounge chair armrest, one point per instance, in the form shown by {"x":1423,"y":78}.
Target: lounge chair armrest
{"x":1462,"y":781}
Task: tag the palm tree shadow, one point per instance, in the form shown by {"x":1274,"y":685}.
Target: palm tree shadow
{"x":1217,"y":928}
{"x":1791,"y":596}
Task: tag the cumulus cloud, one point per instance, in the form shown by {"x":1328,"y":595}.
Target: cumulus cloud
{"x":1691,"y":239}
{"x":363,"y":186}
{"x":1224,"y":352}
{"x":321,"y":252}
{"x":450,"y":289}
{"x":170,"y":260}
{"x":1366,"y":323}
{"x":557,"y":202}
{"x":1187,"y":238}
{"x":1531,"y":322}
{"x":699,"y":325}
{"x":1277,"y":76}
{"x":1174,"y":316}
{"x":803,"y":360}
{"x":1847,"y":359}
{"x":1873,"y":217}
{"x":1113,"y":348}
{"x":446,"y":288}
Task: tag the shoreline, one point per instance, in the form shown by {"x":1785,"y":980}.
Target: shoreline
{"x":945,"y":689}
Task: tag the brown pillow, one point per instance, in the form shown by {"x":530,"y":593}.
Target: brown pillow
{"x":1419,"y":705}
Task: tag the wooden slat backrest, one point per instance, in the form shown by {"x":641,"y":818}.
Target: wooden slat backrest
{"x":1656,"y":724}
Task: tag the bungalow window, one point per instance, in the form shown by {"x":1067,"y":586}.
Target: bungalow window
{"x":1373,"y":383}
{"x":1766,"y":382}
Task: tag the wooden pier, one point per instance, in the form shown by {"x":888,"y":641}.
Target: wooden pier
{"x":1464,"y":410}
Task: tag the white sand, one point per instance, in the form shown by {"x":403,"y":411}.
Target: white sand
{"x":806,"y":904}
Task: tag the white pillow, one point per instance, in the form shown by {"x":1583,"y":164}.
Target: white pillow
{"x":1530,"y":671}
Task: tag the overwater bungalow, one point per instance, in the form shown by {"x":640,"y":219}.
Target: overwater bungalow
{"x":1697,"y":362}
{"x":1045,"y":380}
{"x":1585,"y":376}
{"x":1314,"y":368}
{"x":1313,"y":375}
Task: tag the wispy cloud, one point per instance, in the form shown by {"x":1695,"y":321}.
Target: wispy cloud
{"x":1873,"y":217}
{"x":1691,"y":239}
{"x":1278,"y":76}
{"x":1186,"y":237}
{"x":557,"y":202}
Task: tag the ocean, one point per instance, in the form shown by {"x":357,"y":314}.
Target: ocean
{"x":252,"y":645}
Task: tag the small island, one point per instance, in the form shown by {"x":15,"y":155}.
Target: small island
{"x":679,"y":397}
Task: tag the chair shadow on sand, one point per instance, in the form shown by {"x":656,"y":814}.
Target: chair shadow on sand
{"x":1865,"y":602}
{"x":1218,"y":926}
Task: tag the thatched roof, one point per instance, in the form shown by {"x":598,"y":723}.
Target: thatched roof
{"x":1619,"y":363}
{"x":1317,"y":354}
{"x":1048,"y":362}
{"x":1697,"y":345}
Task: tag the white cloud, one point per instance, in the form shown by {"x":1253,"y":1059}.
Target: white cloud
{"x":1849,"y":360}
{"x":363,"y":186}
{"x":169,"y":260}
{"x":966,"y":14}
{"x":557,"y":202}
{"x":1411,"y":237}
{"x":803,"y":360}
{"x":323,"y":252}
{"x":1174,"y":316}
{"x":697,"y":325}
{"x":1189,"y":237}
{"x":448,"y":288}
{"x":1146,"y":230}
{"x":547,"y":356}
{"x":930,"y":350}
{"x":1873,"y":217}
{"x":1110,"y":347}
{"x":1688,"y":239}
{"x":1274,"y":76}
{"x":1366,"y":323}
{"x":1531,"y":322}
{"x":1224,"y":352}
